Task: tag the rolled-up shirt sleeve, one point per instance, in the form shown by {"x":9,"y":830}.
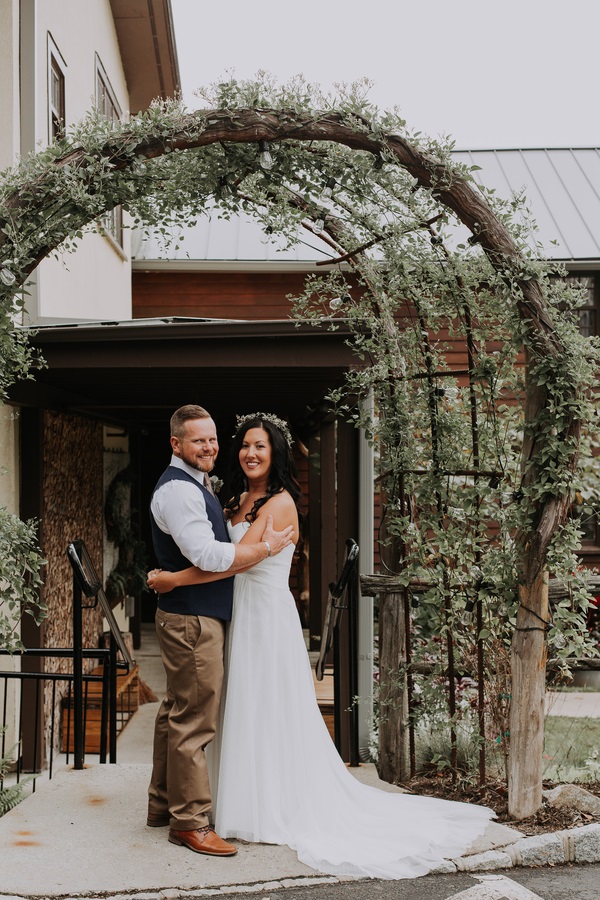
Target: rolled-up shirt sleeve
{"x":179,"y":510}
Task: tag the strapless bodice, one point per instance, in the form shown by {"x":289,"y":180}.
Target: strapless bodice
{"x":273,"y":571}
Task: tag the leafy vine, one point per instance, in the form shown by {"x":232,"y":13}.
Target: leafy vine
{"x":421,"y":260}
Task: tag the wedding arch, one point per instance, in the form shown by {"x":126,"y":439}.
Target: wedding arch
{"x":476,"y":467}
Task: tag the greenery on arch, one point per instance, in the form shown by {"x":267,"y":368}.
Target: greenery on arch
{"x":20,"y":577}
{"x":422,"y":259}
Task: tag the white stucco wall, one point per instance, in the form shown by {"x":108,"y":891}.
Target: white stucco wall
{"x":9,"y":461}
{"x":94,"y":282}
{"x":9,"y":79}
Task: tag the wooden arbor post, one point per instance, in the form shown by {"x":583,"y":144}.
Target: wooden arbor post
{"x":528,"y":677}
{"x":528,"y":646}
{"x":394,"y":658}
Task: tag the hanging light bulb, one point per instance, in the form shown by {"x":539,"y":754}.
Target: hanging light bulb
{"x":319,"y":224}
{"x":338,"y":302}
{"x":265,"y":235}
{"x":265,"y":158}
{"x":476,"y":576}
{"x":8,"y":278}
{"x":327,"y":192}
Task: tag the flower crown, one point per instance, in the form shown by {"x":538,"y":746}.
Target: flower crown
{"x":267,"y":417}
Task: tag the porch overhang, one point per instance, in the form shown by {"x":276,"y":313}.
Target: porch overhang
{"x":133,"y":374}
{"x":146,"y":39}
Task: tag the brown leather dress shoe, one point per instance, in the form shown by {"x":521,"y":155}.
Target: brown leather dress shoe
{"x":203,"y":840}
{"x":158,"y":820}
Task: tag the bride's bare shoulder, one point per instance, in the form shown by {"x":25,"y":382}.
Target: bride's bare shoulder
{"x":280,"y":502}
{"x":283,"y":509}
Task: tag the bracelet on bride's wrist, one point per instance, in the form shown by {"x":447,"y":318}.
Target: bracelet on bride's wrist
{"x":268,"y":546}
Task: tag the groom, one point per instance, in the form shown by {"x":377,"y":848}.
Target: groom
{"x":188,"y":529}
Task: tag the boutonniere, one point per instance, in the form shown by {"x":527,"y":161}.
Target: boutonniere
{"x":217,"y":483}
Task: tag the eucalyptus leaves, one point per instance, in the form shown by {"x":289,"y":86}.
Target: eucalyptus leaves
{"x":20,"y":578}
{"x":426,"y":261}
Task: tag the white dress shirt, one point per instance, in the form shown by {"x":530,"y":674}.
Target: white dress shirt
{"x":179,"y":510}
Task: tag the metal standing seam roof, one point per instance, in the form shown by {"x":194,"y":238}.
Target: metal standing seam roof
{"x":239,"y":238}
{"x":561,"y":188}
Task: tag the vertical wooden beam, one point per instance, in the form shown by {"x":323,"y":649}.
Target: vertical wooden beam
{"x":528,"y":671}
{"x":32,"y":507}
{"x":347,"y":527}
{"x":394,"y":743}
{"x":329,"y":558}
{"x":135,"y":454}
{"x":316,"y":602}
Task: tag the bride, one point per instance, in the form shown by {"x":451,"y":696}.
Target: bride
{"x":277,"y":777}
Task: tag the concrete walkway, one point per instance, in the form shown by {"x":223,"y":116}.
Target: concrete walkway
{"x":82,"y":834}
{"x":573,"y":704}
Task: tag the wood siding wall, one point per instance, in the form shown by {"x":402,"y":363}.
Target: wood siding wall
{"x":215,"y":295}
{"x":263,"y":295}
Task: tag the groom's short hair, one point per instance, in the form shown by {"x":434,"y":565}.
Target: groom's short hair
{"x":186,"y":414}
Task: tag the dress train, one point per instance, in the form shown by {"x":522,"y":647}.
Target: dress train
{"x":277,"y":777}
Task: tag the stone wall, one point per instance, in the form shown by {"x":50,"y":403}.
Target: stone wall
{"x":72,"y":508}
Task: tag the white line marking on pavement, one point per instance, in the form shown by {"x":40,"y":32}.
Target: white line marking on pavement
{"x":496,"y":887}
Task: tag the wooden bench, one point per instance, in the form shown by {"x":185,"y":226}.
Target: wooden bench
{"x":127,"y":703}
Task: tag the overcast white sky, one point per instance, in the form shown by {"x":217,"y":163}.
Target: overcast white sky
{"x":490,"y":73}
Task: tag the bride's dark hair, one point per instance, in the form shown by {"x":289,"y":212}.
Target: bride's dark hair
{"x":282,"y":475}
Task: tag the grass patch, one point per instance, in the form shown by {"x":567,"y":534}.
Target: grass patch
{"x":571,"y":749}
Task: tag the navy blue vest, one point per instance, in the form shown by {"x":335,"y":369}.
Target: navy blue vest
{"x":214,"y":599}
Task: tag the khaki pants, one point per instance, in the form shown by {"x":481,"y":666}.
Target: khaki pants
{"x":192,"y":654}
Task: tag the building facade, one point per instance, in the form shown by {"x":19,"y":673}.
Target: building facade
{"x":58,"y":60}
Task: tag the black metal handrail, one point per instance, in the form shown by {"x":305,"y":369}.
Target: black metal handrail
{"x":85,"y":582}
{"x":345,"y":587}
{"x":39,"y":679}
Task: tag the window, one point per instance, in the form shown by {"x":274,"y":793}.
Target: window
{"x":588,"y":313}
{"x":106,"y":102}
{"x":56,"y":92}
{"x":584,"y":507}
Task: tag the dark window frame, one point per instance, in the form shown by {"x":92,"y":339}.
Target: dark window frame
{"x":589,"y":325}
{"x":590,"y":310}
{"x":56,"y":87}
{"x":111,"y":222}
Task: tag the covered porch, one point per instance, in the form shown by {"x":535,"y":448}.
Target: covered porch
{"x":130,"y":376}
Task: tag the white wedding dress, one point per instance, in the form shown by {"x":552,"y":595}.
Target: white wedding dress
{"x":277,"y":777}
